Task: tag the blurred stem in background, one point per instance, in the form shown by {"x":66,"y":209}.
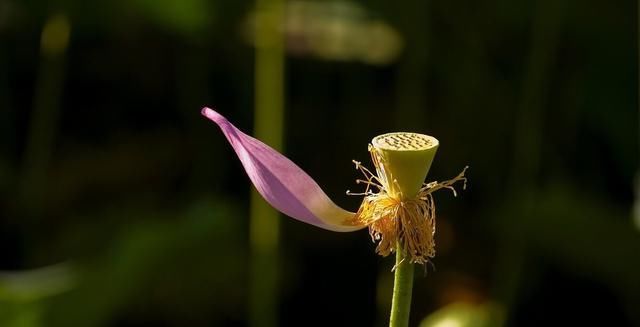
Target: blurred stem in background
{"x":528,"y":139}
{"x":54,"y":41}
{"x":268,"y":127}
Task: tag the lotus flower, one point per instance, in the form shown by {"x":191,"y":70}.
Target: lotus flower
{"x":397,"y":207}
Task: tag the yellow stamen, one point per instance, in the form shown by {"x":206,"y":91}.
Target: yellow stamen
{"x":392,"y":218}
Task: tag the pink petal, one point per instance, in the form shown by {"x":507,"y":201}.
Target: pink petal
{"x":281,"y":182}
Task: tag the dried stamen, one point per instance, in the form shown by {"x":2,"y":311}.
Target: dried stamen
{"x":392,"y":219}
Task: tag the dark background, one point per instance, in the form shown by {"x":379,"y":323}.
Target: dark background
{"x":121,"y":206}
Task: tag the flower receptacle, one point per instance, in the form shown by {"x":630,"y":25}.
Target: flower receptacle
{"x":402,"y":161}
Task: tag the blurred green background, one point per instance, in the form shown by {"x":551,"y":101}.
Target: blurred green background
{"x":121,"y":206}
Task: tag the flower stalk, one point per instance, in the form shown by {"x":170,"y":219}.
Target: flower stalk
{"x":402,"y":291}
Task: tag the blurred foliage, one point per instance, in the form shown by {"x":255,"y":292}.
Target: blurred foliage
{"x":333,"y":30}
{"x":464,"y":315}
{"x":121,"y":206}
{"x":187,"y":16}
{"x":21,"y":294}
{"x":151,"y":261}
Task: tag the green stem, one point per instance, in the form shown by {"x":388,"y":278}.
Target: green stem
{"x":402,"y":288}
{"x":43,"y":127}
{"x":268,"y":127}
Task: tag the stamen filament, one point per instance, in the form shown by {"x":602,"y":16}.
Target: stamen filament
{"x":396,"y":223}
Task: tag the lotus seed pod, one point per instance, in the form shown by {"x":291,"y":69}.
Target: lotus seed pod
{"x":402,"y":161}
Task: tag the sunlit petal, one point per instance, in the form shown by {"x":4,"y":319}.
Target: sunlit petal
{"x":282,"y":183}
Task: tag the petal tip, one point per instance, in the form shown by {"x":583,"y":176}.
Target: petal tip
{"x":213,"y":115}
